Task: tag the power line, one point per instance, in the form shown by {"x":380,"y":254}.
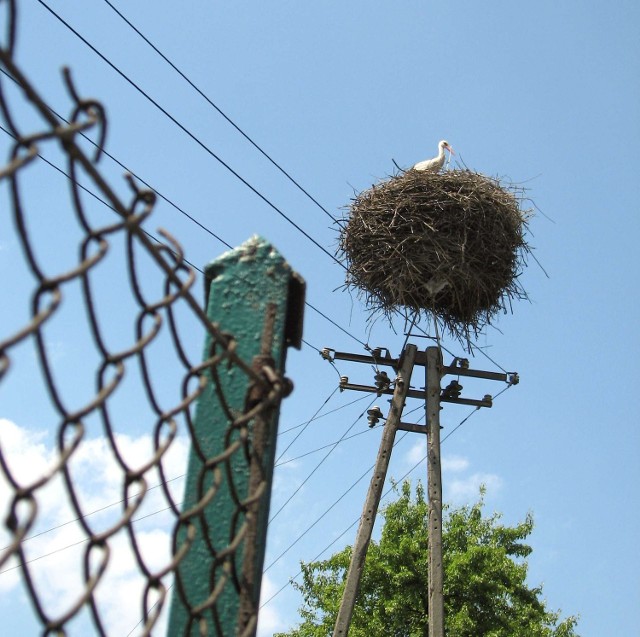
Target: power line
{"x":101,"y":200}
{"x":291,"y":579}
{"x":333,"y":445}
{"x":326,"y":413}
{"x":353,"y":485}
{"x":218,"y":109}
{"x":504,"y":389}
{"x":342,"y":439}
{"x":186,"y":214}
{"x":355,"y":422}
{"x":309,"y":453}
{"x":433,"y":338}
{"x":481,"y":350}
{"x":169,"y":201}
{"x":59,"y":170}
{"x":306,"y":424}
{"x":335,"y":502}
{"x":322,"y":354}
{"x":150,"y":609}
{"x":315,"y":309}
{"x":126,"y":169}
{"x":311,"y":346}
{"x":86,"y":515}
{"x":415,"y":466}
{"x":227,"y":167}
{"x":184,"y":129}
{"x":326,"y":548}
{"x":148,"y":515}
{"x":472,"y":346}
{"x":83,"y":541}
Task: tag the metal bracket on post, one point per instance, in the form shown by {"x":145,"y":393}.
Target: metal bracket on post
{"x":252,"y":294}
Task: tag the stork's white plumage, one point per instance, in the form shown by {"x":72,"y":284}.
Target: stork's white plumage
{"x":435,"y":165}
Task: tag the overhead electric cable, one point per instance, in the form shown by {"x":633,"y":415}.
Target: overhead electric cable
{"x":86,"y":515}
{"x":326,"y":413}
{"x":83,"y":541}
{"x":481,"y":350}
{"x":331,"y":362}
{"x":504,"y":389}
{"x":315,"y":309}
{"x":126,"y":169}
{"x":170,"y":508}
{"x":104,"y":508}
{"x":331,"y":444}
{"x":304,"y":532}
{"x":324,"y":550}
{"x":306,"y":342}
{"x":355,"y":422}
{"x":183,"y":128}
{"x":335,"y":502}
{"x":306,"y":424}
{"x":98,"y":198}
{"x":218,"y":109}
{"x":386,"y":493}
{"x":473,"y":347}
{"x":102,"y":201}
{"x":150,"y":610}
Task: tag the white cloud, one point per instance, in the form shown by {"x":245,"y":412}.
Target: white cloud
{"x":417,"y":452}
{"x":25,"y":453}
{"x":57,"y":555}
{"x":269,"y":619}
{"x":454,"y":464}
{"x":458,"y":487}
{"x":289,"y":465}
{"x":466,"y":490}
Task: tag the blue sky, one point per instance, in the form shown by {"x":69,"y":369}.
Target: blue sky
{"x":545,"y":94}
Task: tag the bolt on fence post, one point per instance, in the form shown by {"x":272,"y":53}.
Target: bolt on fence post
{"x":253,"y":295}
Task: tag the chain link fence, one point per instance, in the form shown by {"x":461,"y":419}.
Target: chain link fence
{"x":98,"y":336}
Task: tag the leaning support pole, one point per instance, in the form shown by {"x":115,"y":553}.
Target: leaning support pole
{"x":436,"y":601}
{"x":363,"y":537}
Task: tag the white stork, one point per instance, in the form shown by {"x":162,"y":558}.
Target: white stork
{"x":435,"y":165}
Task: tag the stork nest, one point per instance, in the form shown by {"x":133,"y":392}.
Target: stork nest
{"x":448,"y":245}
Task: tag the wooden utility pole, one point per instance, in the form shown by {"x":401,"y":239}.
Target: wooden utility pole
{"x":434,"y":479}
{"x":433,"y":395}
{"x":374,"y":494}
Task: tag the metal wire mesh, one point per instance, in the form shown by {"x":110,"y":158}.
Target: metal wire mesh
{"x":97,"y":342}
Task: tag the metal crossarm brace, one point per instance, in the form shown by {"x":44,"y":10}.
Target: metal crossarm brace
{"x":418,"y":393}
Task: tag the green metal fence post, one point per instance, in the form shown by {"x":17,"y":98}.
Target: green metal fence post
{"x":253,"y":294}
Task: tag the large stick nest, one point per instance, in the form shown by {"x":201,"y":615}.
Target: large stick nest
{"x":447,"y":245}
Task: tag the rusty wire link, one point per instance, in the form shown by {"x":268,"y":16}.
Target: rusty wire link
{"x":154,"y":320}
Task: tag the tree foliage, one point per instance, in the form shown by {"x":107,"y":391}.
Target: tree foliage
{"x":485,"y":588}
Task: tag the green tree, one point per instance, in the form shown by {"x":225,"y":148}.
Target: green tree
{"x":485,"y":588}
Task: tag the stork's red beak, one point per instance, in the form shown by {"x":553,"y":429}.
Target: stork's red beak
{"x":453,"y":152}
